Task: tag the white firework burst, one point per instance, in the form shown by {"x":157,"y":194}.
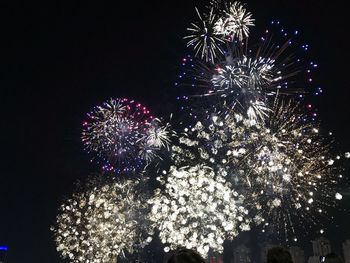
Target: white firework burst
{"x":244,"y":75}
{"x":246,"y":82}
{"x":203,"y":38}
{"x":282,"y":166}
{"x":235,"y":22}
{"x":100,"y":224}
{"x":123,"y":135}
{"x":155,"y":138}
{"x":197,"y":210}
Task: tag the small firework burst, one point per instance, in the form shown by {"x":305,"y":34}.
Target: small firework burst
{"x":155,"y":138}
{"x":244,"y":73}
{"x":203,"y":38}
{"x":98,"y":225}
{"x":197,"y":210}
{"x":234,"y":23}
{"x":247,"y":82}
{"x":123,"y":135}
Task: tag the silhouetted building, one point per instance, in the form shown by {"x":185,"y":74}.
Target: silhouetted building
{"x":3,"y":251}
{"x":264,"y":249}
{"x":216,"y":258}
{"x":321,"y":247}
{"x":346,"y":251}
{"x":297,"y":254}
{"x":242,"y":254}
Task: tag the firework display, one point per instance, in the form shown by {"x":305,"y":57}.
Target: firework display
{"x":123,"y":135}
{"x":282,"y":166}
{"x":246,"y":83}
{"x":197,"y":209}
{"x":100,"y":224}
{"x":247,"y":75}
{"x":247,"y":153}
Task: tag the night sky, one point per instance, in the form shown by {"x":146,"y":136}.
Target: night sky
{"x":60,"y":59}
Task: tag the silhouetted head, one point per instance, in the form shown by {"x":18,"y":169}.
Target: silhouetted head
{"x":185,"y":256}
{"x":279,"y":255}
{"x":333,"y":258}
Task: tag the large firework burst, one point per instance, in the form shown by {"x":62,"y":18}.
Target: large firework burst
{"x":100,"y":224}
{"x":250,"y":75}
{"x":197,"y":209}
{"x":283,"y":166}
{"x":123,"y":135}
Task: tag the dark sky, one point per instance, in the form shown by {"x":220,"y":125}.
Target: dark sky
{"x":60,"y":59}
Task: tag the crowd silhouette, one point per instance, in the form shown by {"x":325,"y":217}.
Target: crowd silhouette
{"x":274,"y":255}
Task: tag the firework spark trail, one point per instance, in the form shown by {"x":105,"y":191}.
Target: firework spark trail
{"x":283,"y":166}
{"x":100,"y":224}
{"x":123,"y":135}
{"x":197,"y":210}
